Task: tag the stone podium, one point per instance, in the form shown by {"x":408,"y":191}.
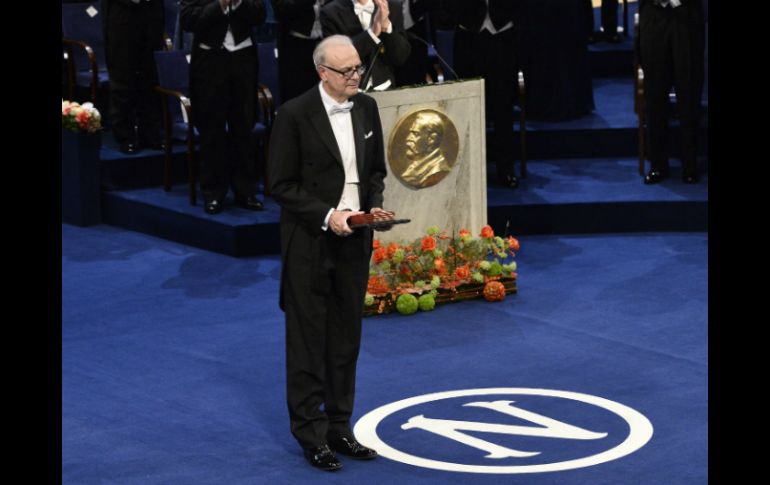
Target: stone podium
{"x":453,"y":195}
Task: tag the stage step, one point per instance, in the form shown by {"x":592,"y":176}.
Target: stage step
{"x":558,"y":196}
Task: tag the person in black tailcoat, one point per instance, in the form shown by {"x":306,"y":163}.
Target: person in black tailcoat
{"x":299,"y":31}
{"x":487,"y":44}
{"x":418,"y":15}
{"x":223,"y":84}
{"x":133,"y":31}
{"x":671,"y":45}
{"x":327,"y":165}
{"x":384,"y":34}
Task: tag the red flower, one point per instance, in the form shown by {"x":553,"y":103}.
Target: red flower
{"x":392,"y":248}
{"x":379,"y":255}
{"x":462,"y":272}
{"x":487,"y":232}
{"x":376,"y":244}
{"x":513,"y":243}
{"x":428,"y":243}
{"x":494,"y":291}
{"x":82,"y":118}
{"x":464,"y":232}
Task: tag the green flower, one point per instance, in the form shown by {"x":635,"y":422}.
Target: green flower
{"x":433,"y":230}
{"x":499,"y":242}
{"x":437,"y":253}
{"x":435,"y":281}
{"x":369,"y":300}
{"x":385,"y":265}
{"x":485,"y":265}
{"x":426,"y":302}
{"x":477,"y":277}
{"x":433,"y":293}
{"x":398,"y":256}
{"x":419,"y":284}
{"x":495,"y":269}
{"x":406,"y":304}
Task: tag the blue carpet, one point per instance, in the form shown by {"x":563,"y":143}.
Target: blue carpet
{"x":172,"y":361}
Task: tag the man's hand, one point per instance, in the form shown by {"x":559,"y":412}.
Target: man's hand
{"x":338,"y":222}
{"x":381,"y":20}
{"x":376,"y":210}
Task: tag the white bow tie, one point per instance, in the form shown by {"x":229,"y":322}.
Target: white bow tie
{"x":368,"y":8}
{"x":341,"y":108}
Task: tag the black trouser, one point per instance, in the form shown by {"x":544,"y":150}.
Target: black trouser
{"x":324,"y":287}
{"x":223,"y":87}
{"x":609,"y":13}
{"x":134,"y":33}
{"x":296,"y":72}
{"x":671,"y":42}
{"x":494,"y":58}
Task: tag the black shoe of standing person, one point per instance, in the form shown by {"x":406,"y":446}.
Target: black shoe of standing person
{"x":654,"y":177}
{"x":348,"y":446}
{"x":156,"y":145}
{"x":322,"y":457}
{"x":249,"y":202}
{"x":509,"y":180}
{"x":212,"y":206}
{"x":129,"y":147}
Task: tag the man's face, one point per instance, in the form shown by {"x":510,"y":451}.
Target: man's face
{"x":342,"y":58}
{"x":420,"y":140}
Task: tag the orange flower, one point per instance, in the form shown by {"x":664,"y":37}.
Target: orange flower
{"x":379,"y":255}
{"x":428,"y":243}
{"x":513,"y":243}
{"x":464,"y":232}
{"x":439,"y":265}
{"x":376,"y":244}
{"x":392,"y":248}
{"x":462,"y":272}
{"x":377,"y":285}
{"x":487,"y":232}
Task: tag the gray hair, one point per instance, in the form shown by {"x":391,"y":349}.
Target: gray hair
{"x":319,"y":54}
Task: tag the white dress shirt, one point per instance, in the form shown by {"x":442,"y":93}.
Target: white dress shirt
{"x":229,"y":42}
{"x":342,"y":126}
{"x":491,"y":27}
{"x":315,"y":32}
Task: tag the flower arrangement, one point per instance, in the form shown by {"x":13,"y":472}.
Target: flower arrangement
{"x":440,"y":268}
{"x":77,"y":117}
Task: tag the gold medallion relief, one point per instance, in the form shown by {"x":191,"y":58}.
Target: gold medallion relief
{"x":423,"y":148}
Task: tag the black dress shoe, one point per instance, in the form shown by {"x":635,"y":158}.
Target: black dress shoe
{"x":510,"y":181}
{"x":213,"y":206}
{"x":129,"y":147}
{"x":156,"y":145}
{"x":251,"y":203}
{"x":654,"y":177}
{"x":350,"y":447}
{"x":322,"y":457}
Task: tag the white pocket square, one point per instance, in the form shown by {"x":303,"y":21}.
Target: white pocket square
{"x":368,"y":135}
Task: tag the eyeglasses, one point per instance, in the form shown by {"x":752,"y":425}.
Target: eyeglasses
{"x":348,"y":73}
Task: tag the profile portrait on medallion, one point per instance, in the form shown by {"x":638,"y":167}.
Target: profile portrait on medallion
{"x":423,"y":148}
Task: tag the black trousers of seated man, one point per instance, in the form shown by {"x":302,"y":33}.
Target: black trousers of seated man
{"x":325,"y":284}
{"x":223,"y":87}
{"x":672,"y":43}
{"x":493,"y":57}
